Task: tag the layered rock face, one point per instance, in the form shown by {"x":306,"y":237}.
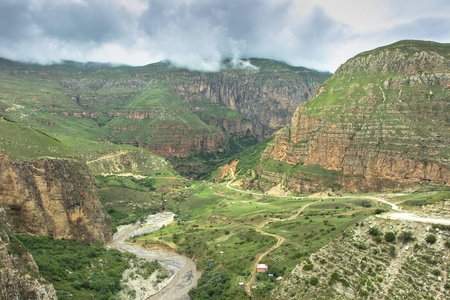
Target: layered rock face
{"x":55,"y":197}
{"x":381,"y":122}
{"x":19,"y":274}
{"x":265,"y":98}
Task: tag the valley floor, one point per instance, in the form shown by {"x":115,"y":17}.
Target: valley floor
{"x":229,"y":231}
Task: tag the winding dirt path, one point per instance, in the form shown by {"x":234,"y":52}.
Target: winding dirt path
{"x":400,"y":214}
{"x":280,"y":241}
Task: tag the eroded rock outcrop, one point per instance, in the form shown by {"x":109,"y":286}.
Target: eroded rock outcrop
{"x":381,"y":122}
{"x":55,"y":197}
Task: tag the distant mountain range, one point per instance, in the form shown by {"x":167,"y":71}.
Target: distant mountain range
{"x":172,"y":112}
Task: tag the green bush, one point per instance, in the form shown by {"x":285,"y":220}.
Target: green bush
{"x":436,"y":272}
{"x":389,"y":237}
{"x":374,"y":231}
{"x":76,"y":268}
{"x":406,"y":237}
{"x":392,"y":251}
{"x":314,"y":281}
{"x":431,"y":239}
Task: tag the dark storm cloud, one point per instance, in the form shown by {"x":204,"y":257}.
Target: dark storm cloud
{"x":199,"y":33}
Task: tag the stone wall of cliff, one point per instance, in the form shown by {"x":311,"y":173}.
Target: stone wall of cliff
{"x":267,"y":100}
{"x":55,"y":197}
{"x":381,"y":121}
{"x":19,"y":274}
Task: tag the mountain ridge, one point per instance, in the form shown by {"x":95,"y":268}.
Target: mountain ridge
{"x":381,"y":122}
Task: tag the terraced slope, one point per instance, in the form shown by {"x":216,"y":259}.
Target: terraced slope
{"x":381,"y":122}
{"x":385,"y":259}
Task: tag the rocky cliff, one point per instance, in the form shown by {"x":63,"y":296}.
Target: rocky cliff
{"x":19,"y":275}
{"x":381,"y":122}
{"x":55,"y":197}
{"x":267,"y":96}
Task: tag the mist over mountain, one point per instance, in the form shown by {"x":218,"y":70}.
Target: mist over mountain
{"x":198,"y":34}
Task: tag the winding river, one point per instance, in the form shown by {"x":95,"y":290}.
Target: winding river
{"x":183,"y":269}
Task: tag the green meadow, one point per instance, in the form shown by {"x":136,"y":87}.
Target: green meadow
{"x":226,"y":231}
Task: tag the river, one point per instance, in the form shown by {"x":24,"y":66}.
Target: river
{"x":183,"y":269}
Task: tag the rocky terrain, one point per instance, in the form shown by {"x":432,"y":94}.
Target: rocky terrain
{"x":381,"y":122}
{"x":379,"y":259}
{"x":265,"y":97}
{"x":19,"y":275}
{"x":55,"y":197}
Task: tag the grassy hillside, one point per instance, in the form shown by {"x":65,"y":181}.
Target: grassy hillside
{"x":22,"y":142}
{"x":163,"y":109}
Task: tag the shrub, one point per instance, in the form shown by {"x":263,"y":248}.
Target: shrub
{"x":389,"y":237}
{"x":314,"y":281}
{"x":436,"y":272}
{"x":307,"y":267}
{"x":431,"y":239}
{"x":392,"y":251}
{"x":405,"y":237}
{"x":374,"y":231}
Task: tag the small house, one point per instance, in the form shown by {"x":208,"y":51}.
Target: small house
{"x":260,"y":268}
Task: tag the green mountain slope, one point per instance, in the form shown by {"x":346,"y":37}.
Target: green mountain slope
{"x":24,"y":143}
{"x":172,"y":112}
{"x":381,"y":122}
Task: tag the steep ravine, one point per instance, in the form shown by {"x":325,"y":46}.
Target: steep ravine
{"x":267,"y":100}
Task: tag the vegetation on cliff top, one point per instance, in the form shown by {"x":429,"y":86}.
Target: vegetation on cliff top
{"x":379,"y":120}
{"x":89,"y":106}
{"x":22,"y":142}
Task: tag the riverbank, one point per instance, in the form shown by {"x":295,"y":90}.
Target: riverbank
{"x":183,"y":272}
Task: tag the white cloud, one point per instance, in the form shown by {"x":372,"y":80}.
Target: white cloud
{"x":197,"y":34}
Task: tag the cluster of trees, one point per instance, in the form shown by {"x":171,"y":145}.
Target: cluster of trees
{"x":216,"y":284}
{"x":77,"y":270}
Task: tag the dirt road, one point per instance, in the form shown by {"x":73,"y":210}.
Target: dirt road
{"x":398,"y":215}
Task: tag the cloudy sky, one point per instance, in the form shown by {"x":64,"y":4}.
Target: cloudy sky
{"x":319,"y":34}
